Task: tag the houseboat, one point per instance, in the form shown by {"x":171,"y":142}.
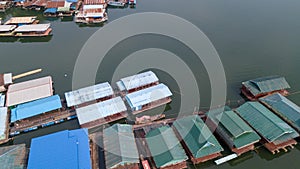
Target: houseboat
{"x":256,"y":88}
{"x":165,"y":149}
{"x":59,"y":8}
{"x":35,"y":4}
{"x":234,"y":132}
{"x":4,"y":127}
{"x":284,"y":108}
{"x":100,"y":113}
{"x":275,"y":133}
{"x":92,"y":12}
{"x":120,"y":138}
{"x":148,"y":98}
{"x":196,"y":138}
{"x":26,"y":20}
{"x":87,"y":95}
{"x":7,"y":30}
{"x":36,"y":30}
{"x":137,"y":82}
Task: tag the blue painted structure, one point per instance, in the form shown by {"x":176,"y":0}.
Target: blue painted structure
{"x":34,"y":108}
{"x":62,"y":150}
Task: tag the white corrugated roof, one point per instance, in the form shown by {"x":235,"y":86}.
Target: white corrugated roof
{"x":148,"y":95}
{"x":3,"y":116}
{"x":2,"y":100}
{"x":29,"y":90}
{"x":25,"y":19}
{"x":92,"y":7}
{"x":87,"y":94}
{"x":139,"y":80}
{"x":33,"y":28}
{"x":7,"y":28}
{"x":100,"y":110}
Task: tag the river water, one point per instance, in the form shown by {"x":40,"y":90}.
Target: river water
{"x":253,"y":38}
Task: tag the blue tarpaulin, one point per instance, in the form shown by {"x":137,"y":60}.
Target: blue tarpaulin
{"x":51,"y":10}
{"x":19,"y":0}
{"x":62,"y":150}
{"x":72,"y":1}
{"x":36,"y":107}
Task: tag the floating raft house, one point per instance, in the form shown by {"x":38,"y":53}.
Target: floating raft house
{"x":276,"y":133}
{"x":100,"y":113}
{"x":148,"y":98}
{"x":34,"y":108}
{"x":235,"y":132}
{"x":3,"y":124}
{"x":284,"y":108}
{"x":22,"y":20}
{"x":137,"y":82}
{"x":198,"y":141}
{"x":100,"y":92}
{"x":27,"y":91}
{"x":120,"y":147}
{"x":165,"y":148}
{"x":61,"y":150}
{"x":253,"y":89}
{"x":14,"y":156}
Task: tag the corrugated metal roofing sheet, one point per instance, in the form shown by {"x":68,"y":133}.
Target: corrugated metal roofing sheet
{"x":93,"y":2}
{"x":164,"y":146}
{"x":197,"y":136}
{"x":148,"y":95}
{"x":13,"y":157}
{"x":3,"y":119}
{"x":139,"y":80}
{"x":266,"y":84}
{"x":87,"y":94}
{"x":100,"y":110}
{"x":36,"y":107}
{"x":29,"y":90}
{"x":266,"y":123}
{"x":33,"y":28}
{"x":2,"y":100}
{"x":284,"y":107}
{"x":119,"y":145}
{"x":17,"y":20}
{"x":61,"y":150}
{"x":7,"y":28}
{"x":238,"y":130}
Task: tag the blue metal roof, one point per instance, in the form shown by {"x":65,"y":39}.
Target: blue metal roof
{"x":61,"y":150}
{"x":51,"y":10}
{"x":70,"y":1}
{"x":36,"y":107}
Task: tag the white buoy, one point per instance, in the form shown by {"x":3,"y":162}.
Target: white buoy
{"x":66,"y":75}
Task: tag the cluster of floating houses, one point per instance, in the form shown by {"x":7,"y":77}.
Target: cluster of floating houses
{"x":24,"y":27}
{"x":84,"y":11}
{"x":268,"y":118}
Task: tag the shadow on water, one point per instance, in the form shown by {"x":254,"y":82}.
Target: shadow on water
{"x":26,"y":39}
{"x":81,"y":25}
{"x":26,"y":138}
{"x":263,"y":153}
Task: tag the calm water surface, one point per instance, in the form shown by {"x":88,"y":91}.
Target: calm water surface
{"x":253,"y":38}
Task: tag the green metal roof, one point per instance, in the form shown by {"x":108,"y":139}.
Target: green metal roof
{"x":119,"y":145}
{"x":197,"y":136}
{"x":266,"y":84}
{"x":284,"y":107}
{"x":239,"y":131}
{"x":165,"y":147}
{"x":266,"y":123}
{"x":13,"y":157}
